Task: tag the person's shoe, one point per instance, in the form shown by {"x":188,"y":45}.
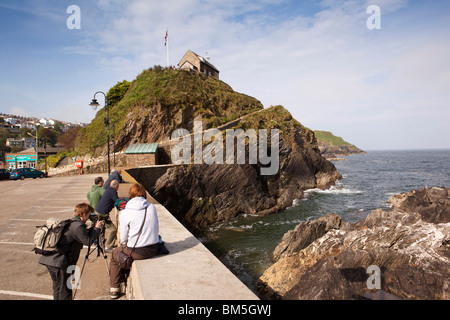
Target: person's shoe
{"x":114,"y":293}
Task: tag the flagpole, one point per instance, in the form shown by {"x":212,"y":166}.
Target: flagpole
{"x":167,"y":46}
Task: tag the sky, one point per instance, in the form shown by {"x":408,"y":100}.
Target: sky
{"x":378,"y":88}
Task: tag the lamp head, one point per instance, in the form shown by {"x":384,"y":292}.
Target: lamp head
{"x":94,"y":104}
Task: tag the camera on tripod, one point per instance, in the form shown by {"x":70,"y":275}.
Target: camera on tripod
{"x":101,"y":217}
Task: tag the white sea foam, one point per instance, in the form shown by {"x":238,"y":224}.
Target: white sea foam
{"x":390,"y":194}
{"x":334,"y":190}
{"x":296,"y":202}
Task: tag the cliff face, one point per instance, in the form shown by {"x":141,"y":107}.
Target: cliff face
{"x":329,"y":259}
{"x":204,"y":194}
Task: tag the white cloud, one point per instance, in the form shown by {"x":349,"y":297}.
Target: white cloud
{"x":324,"y":66}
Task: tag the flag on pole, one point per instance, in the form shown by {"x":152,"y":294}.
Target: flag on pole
{"x":167,"y":45}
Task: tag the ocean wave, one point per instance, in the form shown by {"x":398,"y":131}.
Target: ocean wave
{"x":333,"y":190}
{"x":230,"y":226}
{"x":391,"y":194}
{"x":296,"y":202}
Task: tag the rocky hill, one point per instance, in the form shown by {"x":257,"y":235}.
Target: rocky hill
{"x":329,"y":259}
{"x":161,"y":100}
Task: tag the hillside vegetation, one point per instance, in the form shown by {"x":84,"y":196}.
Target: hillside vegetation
{"x":330,"y":138}
{"x":160,"y":100}
{"x":332,"y":146}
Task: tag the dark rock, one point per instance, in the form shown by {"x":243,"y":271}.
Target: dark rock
{"x":412,"y":254}
{"x":304,"y":234}
{"x":433,"y":204}
{"x":330,"y":151}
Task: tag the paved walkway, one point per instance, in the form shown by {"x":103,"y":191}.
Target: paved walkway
{"x":29,"y":203}
{"x":190,"y":271}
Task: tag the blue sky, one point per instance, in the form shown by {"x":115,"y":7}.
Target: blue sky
{"x":379,"y":89}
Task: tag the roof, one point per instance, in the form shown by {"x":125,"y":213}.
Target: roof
{"x":142,"y":148}
{"x":203,"y":60}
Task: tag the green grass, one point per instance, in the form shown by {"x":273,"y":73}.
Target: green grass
{"x":328,"y":137}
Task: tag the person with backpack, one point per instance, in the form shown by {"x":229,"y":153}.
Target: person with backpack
{"x":74,"y":235}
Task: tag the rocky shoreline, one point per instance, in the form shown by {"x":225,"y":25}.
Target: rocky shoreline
{"x":329,"y":259}
{"x":335,"y":153}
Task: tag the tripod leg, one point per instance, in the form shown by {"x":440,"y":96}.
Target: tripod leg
{"x":102,"y":250}
{"x":77,"y":285}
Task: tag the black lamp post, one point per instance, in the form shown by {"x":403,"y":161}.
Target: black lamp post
{"x":94,"y":104}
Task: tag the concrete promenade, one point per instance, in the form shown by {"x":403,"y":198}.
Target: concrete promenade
{"x":27,"y":204}
{"x":190,"y":271}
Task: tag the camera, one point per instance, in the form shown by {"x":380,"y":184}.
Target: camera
{"x":101,"y":217}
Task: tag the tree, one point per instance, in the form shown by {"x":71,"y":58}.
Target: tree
{"x":116,"y":93}
{"x":68,"y":138}
{"x":48,"y":135}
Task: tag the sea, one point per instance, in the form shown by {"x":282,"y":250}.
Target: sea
{"x":245,"y":244}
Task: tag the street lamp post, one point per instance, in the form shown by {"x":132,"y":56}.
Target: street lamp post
{"x":45,"y":156}
{"x":114,"y":143}
{"x":36,"y":147}
{"x":94,"y":104}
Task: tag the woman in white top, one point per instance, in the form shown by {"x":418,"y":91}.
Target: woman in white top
{"x":137,"y":243}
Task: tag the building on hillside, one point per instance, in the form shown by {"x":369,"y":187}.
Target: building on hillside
{"x":11,"y":120}
{"x":27,"y":158}
{"x":22,"y":143}
{"x":192,"y":61}
{"x":13,"y":128}
{"x":142,"y":154}
{"x":23,"y":159}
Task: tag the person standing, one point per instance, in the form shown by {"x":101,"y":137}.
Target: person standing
{"x":74,"y":236}
{"x":94,"y":195}
{"x":139,"y":238}
{"x":104,"y":207}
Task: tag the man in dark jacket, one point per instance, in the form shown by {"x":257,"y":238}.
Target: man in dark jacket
{"x":74,"y":236}
{"x":115,"y":175}
{"x":104,"y":206}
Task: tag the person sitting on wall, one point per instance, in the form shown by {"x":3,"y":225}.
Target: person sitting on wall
{"x":139,"y":238}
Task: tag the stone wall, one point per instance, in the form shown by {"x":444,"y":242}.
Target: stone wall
{"x":141,"y":159}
